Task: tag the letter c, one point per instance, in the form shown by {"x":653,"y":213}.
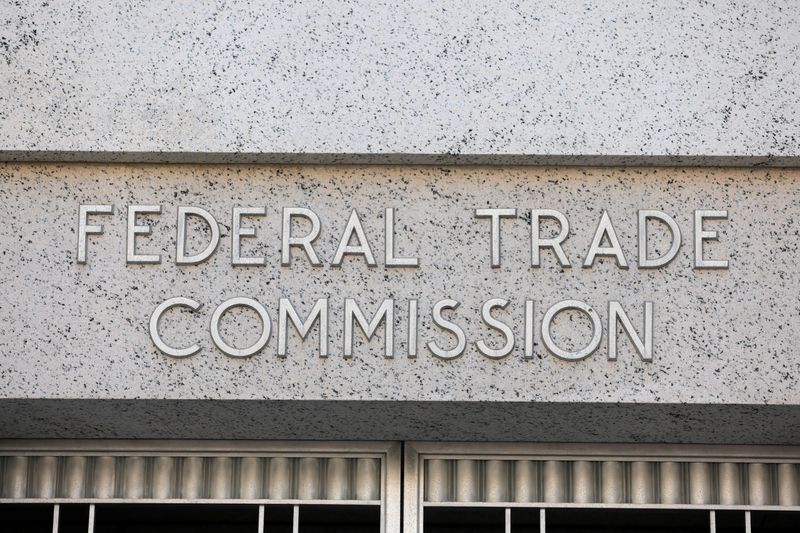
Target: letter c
{"x":156,"y":336}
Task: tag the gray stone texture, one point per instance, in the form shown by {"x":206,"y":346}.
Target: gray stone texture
{"x":409,"y":420}
{"x":76,"y":359}
{"x":74,"y":330}
{"x":615,"y":82}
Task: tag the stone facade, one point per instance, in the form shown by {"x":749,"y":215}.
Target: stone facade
{"x":723,"y":338}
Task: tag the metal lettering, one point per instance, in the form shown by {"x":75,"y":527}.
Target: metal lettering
{"x":237,"y":232}
{"x":305,"y":242}
{"x":385,"y":313}
{"x":362,"y":248}
{"x":529,"y":329}
{"x":616,"y":315}
{"x":181,"y":258}
{"x":266,"y":327}
{"x":318,"y":312}
{"x":644,"y":216}
{"x":85,"y":229}
{"x":390,"y":259}
{"x":447,"y":325}
{"x":537,"y":243}
{"x":492,"y":322}
{"x":134,"y":229}
{"x":605,"y":228}
{"x":155,"y":334}
{"x":597,"y":330}
{"x":495,"y":215}
{"x":701,"y":235}
{"x":413,"y":321}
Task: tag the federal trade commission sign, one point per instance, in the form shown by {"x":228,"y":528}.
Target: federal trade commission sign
{"x":355,"y":244}
{"x":400,"y":282}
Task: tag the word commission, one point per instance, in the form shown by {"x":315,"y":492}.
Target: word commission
{"x":354,"y":242}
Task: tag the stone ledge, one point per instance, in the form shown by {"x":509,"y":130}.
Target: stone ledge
{"x":388,"y":158}
{"x":390,"y":420}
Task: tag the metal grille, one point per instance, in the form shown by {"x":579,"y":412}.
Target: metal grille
{"x":269,"y":474}
{"x":611,"y":482}
{"x":79,"y":478}
{"x":526,"y":485}
{"x":551,"y":477}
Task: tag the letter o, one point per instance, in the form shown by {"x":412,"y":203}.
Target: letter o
{"x":266,"y":326}
{"x":156,"y":336}
{"x":597,"y":329}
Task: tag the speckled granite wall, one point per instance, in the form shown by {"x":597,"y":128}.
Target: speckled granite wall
{"x":725,"y":340}
{"x":619,"y":82}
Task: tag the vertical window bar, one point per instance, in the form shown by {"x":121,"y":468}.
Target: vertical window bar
{"x":542,"y":522}
{"x":747,"y":527}
{"x":508,"y":520}
{"x":260,"y":519}
{"x":712,"y":522}
{"x":91,"y":519}
{"x":296,"y":519}
{"x":56,"y":511}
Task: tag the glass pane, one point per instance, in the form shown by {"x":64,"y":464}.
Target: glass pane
{"x":340,"y":519}
{"x":775,"y":522}
{"x":73,"y":518}
{"x":524,"y":520}
{"x":730,"y":522}
{"x":25,"y":518}
{"x":165,"y":518}
{"x":277,"y":519}
{"x":464,"y":520}
{"x":627,"y":521}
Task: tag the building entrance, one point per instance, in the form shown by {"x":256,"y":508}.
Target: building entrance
{"x":315,"y":487}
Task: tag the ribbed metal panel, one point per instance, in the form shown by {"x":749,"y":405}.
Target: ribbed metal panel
{"x":666,"y":482}
{"x":526,"y":475}
{"x":133,"y":477}
{"x":583,"y":480}
{"x":107,"y":477}
{"x":337,"y":479}
{"x":73,"y":485}
{"x":15,"y":480}
{"x":163,"y":473}
{"x":730,"y":484}
{"x":554,"y":482}
{"x":642,"y":483}
{"x":437,"y":480}
{"x":497,"y":481}
{"x":368,"y":473}
{"x":251,"y":476}
{"x":105,"y":471}
{"x":788,"y":485}
{"x":613,"y":482}
{"x":45,"y":471}
{"x":700,"y":484}
{"x":280,"y":478}
{"x":671,"y":483}
{"x":468,"y":480}
{"x":760,"y":483}
{"x":308,"y":479}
